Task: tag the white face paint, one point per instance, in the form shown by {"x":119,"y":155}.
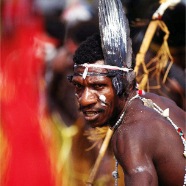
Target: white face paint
{"x":76,"y":95}
{"x":102,"y":98}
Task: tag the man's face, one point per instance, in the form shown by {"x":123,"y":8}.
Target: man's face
{"x":96,"y":96}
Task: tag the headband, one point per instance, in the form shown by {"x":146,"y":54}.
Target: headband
{"x":108,"y":67}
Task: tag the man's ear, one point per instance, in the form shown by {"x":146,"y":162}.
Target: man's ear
{"x":118,"y":85}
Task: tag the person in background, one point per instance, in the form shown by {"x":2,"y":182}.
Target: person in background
{"x":174,"y":86}
{"x":23,"y":156}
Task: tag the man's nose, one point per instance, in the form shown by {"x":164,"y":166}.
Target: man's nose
{"x":87,"y":98}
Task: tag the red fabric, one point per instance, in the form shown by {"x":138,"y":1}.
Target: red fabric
{"x":29,"y":162}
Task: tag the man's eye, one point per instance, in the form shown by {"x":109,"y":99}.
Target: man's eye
{"x":78,"y":86}
{"x":98,"y":86}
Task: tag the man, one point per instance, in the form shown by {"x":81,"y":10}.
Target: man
{"x":148,"y":139}
{"x":145,"y":143}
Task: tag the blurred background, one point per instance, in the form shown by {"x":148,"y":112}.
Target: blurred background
{"x":42,"y":134}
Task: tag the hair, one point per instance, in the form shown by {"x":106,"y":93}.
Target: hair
{"x":91,"y":51}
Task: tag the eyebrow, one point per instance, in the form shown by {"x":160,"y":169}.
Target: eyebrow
{"x":95,"y":81}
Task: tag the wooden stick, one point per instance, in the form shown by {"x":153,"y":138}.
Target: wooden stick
{"x":100,"y":157}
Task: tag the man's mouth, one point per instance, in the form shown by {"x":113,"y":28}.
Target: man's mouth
{"x":91,"y":115}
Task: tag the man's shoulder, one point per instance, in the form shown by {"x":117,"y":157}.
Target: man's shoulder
{"x":143,"y":118}
{"x":142,"y":122}
{"x":161,"y":100}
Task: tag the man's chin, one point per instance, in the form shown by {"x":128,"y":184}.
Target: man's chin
{"x":96,"y":124}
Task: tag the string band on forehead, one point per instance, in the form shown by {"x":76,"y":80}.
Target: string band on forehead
{"x":108,"y":67}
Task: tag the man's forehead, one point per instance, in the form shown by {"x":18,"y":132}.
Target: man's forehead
{"x":90,"y":79}
{"x":81,"y":68}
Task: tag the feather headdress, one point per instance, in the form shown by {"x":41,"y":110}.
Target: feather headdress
{"x":115,"y":33}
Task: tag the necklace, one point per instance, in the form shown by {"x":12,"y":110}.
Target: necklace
{"x":115,"y":173}
{"x":123,"y":114}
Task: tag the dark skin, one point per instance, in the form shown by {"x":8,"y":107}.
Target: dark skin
{"x":88,"y":92}
{"x":146,"y":145}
